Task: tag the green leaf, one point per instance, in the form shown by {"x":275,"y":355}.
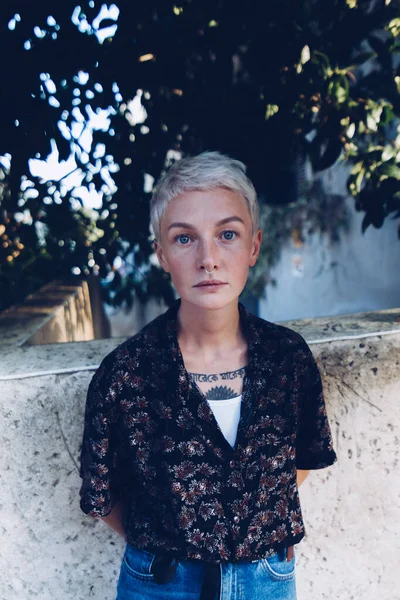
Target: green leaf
{"x":390,"y":170}
{"x":372,"y":123}
{"x":388,"y":153}
{"x":394,"y":27}
{"x":322,"y":59}
{"x":357,"y":167}
{"x":305,"y":55}
{"x":271,"y":110}
{"x":351,"y":130}
{"x":341,"y":94}
{"x":338,"y":90}
{"x":359,"y":180}
{"x":387,"y":115}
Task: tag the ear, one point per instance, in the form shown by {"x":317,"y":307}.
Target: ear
{"x":255,"y":248}
{"x":160,"y":256}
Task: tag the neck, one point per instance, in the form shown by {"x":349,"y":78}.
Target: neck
{"x":209,"y":333}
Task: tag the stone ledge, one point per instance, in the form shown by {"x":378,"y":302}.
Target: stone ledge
{"x":342,"y":327}
{"x":19,"y":360}
{"x":58,"y":312}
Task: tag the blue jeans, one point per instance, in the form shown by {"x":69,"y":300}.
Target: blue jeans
{"x":271,"y":578}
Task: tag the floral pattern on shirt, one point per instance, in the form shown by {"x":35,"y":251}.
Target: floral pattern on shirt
{"x":151,"y":440}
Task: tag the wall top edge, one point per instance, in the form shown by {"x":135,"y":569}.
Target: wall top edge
{"x":19,"y":323}
{"x":348,"y":326}
{"x":18,"y":362}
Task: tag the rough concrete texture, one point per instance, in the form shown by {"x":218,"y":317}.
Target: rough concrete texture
{"x":352,"y":510}
{"x":51,"y":551}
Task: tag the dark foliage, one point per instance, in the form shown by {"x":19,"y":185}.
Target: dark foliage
{"x":266,"y":82}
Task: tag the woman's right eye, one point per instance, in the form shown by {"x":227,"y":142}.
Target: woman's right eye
{"x":182,"y":239}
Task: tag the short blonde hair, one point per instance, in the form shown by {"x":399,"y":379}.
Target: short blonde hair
{"x":206,"y":171}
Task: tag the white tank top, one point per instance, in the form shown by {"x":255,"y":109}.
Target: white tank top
{"x":227,"y":415}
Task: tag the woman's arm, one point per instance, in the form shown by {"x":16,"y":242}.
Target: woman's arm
{"x":301,"y":476}
{"x":115,"y":518}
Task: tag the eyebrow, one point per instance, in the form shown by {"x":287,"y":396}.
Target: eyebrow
{"x":183,"y":225}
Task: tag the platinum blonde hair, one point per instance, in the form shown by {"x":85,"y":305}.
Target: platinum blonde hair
{"x":203,"y":172}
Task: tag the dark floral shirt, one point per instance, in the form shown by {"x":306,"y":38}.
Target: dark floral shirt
{"x":151,"y":439}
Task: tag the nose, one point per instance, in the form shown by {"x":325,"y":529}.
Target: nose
{"x":208,"y":259}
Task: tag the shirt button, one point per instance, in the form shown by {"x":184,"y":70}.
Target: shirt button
{"x":232,"y":464}
{"x":236,"y":519}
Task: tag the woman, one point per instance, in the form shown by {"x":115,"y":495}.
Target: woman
{"x":200,"y":428}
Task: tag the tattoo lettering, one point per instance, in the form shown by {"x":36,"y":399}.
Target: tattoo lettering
{"x":203,"y":378}
{"x":228,"y":375}
{"x":234,"y":374}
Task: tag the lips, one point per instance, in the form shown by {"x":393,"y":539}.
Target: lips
{"x":212,"y":283}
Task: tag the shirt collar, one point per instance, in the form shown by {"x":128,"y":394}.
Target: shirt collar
{"x":178,"y":383}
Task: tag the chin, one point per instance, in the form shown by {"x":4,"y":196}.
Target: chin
{"x":209,"y":302}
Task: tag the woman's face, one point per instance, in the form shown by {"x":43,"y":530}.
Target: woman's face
{"x":208,"y":230}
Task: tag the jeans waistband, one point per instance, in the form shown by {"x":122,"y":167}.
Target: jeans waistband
{"x":164,"y":568}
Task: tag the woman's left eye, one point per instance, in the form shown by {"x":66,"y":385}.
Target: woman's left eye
{"x":229,"y":235}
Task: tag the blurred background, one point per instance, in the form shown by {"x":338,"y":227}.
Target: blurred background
{"x":97,"y":100}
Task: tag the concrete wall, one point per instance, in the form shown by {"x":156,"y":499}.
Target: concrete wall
{"x":51,"y":551}
{"x":356,"y":275}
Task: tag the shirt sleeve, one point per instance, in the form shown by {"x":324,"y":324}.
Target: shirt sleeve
{"x":99,"y":454}
{"x":314,"y":446}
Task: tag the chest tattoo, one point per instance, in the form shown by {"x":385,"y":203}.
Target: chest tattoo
{"x":219,"y":391}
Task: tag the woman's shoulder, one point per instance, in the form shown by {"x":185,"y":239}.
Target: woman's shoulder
{"x":134,"y":355}
{"x":265,"y":330}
